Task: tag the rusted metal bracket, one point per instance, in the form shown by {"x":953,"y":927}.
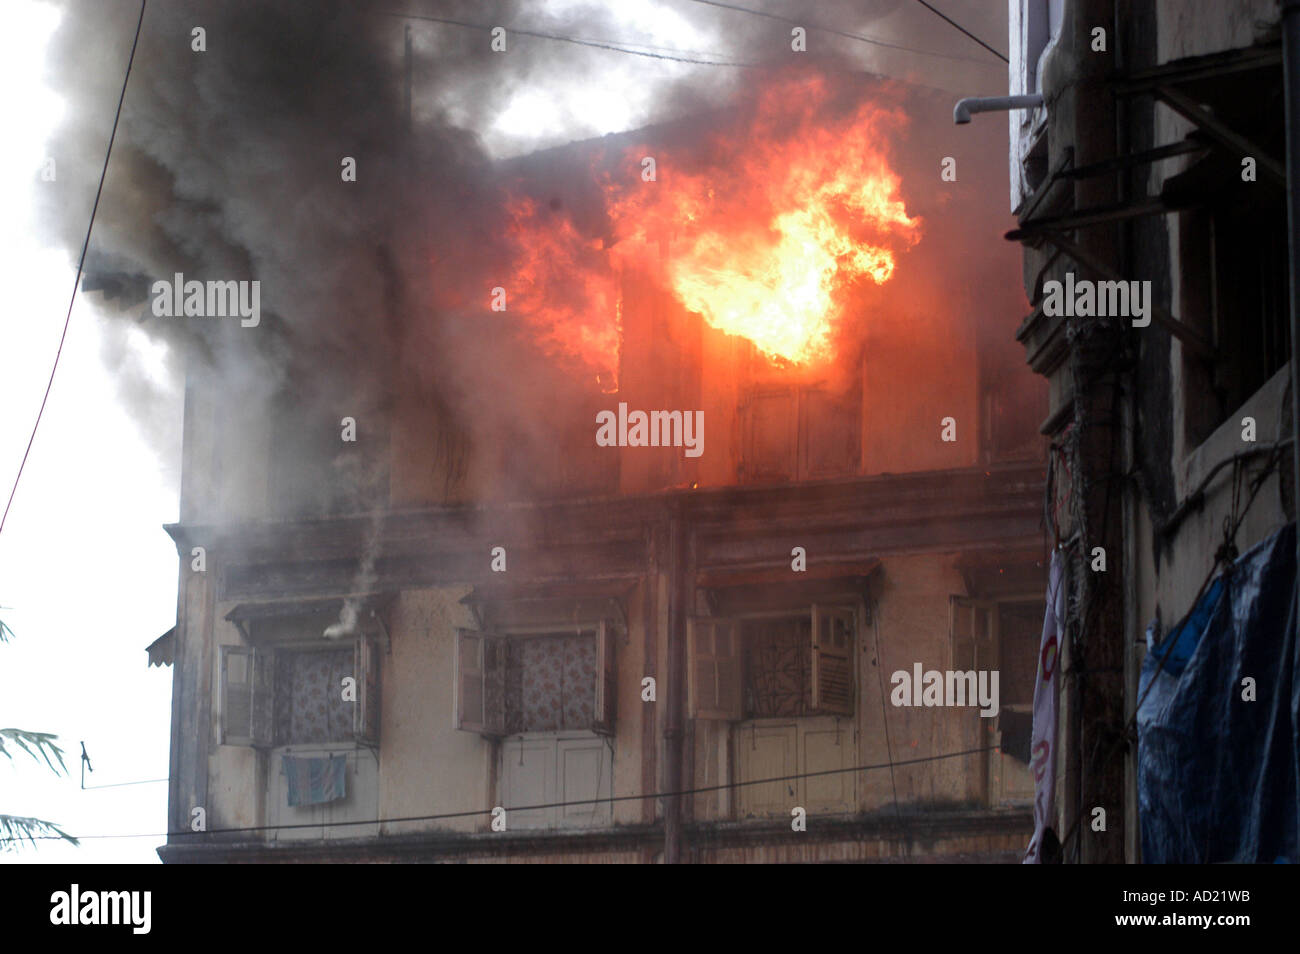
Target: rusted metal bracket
{"x":1188,"y":108}
{"x":1190,"y":338}
{"x":1081,"y":218}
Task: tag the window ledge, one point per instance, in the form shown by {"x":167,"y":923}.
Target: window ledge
{"x":1265,"y":406}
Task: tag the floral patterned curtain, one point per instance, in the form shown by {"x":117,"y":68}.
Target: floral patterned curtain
{"x":309,"y":706}
{"x":551,"y":683}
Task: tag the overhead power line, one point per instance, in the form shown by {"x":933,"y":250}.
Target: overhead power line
{"x":521,"y":808}
{"x":676,"y":56}
{"x":801,"y":21}
{"x":81,"y":263}
{"x":961,"y":28}
{"x":143,"y":781}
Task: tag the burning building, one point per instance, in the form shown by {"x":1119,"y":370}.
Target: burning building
{"x":587,"y":505}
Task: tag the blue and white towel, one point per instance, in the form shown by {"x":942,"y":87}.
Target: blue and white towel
{"x":315,"y":781}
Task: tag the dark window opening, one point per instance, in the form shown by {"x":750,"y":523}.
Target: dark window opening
{"x":1232,"y":263}
{"x":783,"y":674}
{"x":777,"y":667}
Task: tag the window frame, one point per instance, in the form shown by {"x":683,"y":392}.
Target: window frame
{"x":714,"y":707}
{"x":493,"y":725}
{"x":993,"y":767}
{"x":366,"y":709}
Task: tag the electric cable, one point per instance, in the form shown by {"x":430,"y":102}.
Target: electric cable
{"x":844,"y":33}
{"x":81,"y":263}
{"x":559,"y":38}
{"x":961,"y":28}
{"x":519,"y":808}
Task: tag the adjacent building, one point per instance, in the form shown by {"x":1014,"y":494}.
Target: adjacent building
{"x":1158,"y":159}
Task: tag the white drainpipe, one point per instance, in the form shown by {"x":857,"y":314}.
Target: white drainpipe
{"x":987,"y":104}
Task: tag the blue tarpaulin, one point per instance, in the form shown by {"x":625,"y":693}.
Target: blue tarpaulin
{"x":1218,"y":775}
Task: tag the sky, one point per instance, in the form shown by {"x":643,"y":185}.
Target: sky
{"x":87,"y":574}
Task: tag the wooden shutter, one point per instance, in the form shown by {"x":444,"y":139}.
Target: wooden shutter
{"x":365,"y":714}
{"x":247,"y":684}
{"x":480,"y":683}
{"x":973,"y":625}
{"x":606,"y":680}
{"x":713,"y":677}
{"x":770,"y":425}
{"x":832,"y":660}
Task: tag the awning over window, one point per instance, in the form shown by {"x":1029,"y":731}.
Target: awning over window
{"x":277,"y":620}
{"x":745,"y":576}
{"x":162,"y":651}
{"x":730,"y":590}
{"x":532,"y":604}
{"x":282,"y":609}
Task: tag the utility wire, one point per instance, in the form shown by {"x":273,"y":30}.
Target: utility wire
{"x":596,"y":44}
{"x":81,"y":262}
{"x":520,"y":808}
{"x":677,"y":57}
{"x":145,"y":781}
{"x":958,"y":26}
{"x":844,"y":33}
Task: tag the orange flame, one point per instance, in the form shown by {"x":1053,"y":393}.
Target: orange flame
{"x":562,"y":284}
{"x":772,"y":224}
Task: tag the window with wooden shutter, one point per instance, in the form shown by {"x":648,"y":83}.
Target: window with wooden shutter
{"x":770,"y":425}
{"x":606,"y":680}
{"x":832,"y":660}
{"x":480,"y":683}
{"x":366,"y":713}
{"x":713,"y":676}
{"x":247,"y":703}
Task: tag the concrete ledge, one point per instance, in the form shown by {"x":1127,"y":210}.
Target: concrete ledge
{"x":1265,"y":406}
{"x":917,"y":837}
